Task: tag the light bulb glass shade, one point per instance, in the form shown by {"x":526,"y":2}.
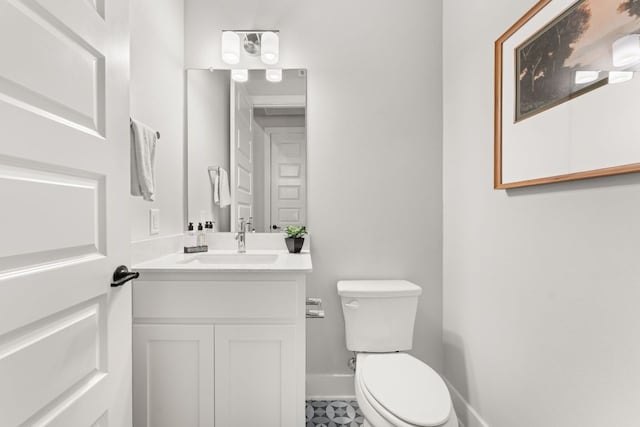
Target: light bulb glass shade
{"x":230,"y":47}
{"x":585,"y":76}
{"x":270,"y":48}
{"x":620,"y":76}
{"x":274,"y":75}
{"x":626,"y":50}
{"x":240,"y":75}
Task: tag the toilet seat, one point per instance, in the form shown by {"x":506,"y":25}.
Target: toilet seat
{"x":375,"y":414}
{"x":402,"y":389}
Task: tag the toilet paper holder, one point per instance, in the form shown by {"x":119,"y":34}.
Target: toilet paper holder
{"x":314,"y":308}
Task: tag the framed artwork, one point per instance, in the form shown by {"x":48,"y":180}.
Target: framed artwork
{"x":567,"y":93}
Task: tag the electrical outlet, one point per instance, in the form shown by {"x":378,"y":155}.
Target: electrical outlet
{"x":154,"y":221}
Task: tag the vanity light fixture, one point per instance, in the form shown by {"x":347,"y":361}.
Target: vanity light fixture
{"x":585,"y":76}
{"x":230,"y":47}
{"x":626,"y":50}
{"x":240,"y":75}
{"x":273,"y":75}
{"x":620,"y":76}
{"x":270,"y":48}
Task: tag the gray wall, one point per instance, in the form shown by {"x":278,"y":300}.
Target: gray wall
{"x":540,"y":284}
{"x":374,"y":140}
{"x":157,"y":99}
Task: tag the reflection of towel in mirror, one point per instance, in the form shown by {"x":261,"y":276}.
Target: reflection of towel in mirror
{"x":143,"y":156}
{"x":221,"y":194}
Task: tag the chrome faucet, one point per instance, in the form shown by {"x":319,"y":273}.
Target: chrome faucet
{"x":241,"y":236}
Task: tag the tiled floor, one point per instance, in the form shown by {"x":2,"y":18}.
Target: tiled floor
{"x":333,"y":413}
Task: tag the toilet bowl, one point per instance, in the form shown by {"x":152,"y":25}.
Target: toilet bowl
{"x":393,"y":388}
{"x":398,"y":390}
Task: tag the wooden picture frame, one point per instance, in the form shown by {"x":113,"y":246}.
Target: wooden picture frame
{"x":509,"y":74}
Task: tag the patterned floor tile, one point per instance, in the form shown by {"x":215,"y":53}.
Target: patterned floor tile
{"x":333,"y":413}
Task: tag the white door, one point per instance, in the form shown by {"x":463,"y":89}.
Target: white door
{"x":241,"y":150}
{"x":173,"y":375}
{"x":255,"y":376}
{"x":65,"y":334}
{"x":288,"y":178}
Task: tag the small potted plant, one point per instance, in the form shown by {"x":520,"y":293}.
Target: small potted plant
{"x":295,"y":238}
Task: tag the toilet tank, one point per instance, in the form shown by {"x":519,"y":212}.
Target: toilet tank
{"x":379,"y":314}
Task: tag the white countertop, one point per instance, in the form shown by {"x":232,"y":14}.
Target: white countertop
{"x":221,"y":260}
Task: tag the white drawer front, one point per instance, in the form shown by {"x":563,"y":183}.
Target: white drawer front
{"x":217,"y":300}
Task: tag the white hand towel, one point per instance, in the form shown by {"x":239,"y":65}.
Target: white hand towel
{"x":143,"y":157}
{"x":221,"y":193}
{"x":213,"y":176}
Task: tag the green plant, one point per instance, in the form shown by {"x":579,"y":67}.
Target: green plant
{"x":296,"y":232}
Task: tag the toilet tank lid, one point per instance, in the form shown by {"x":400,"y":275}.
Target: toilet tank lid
{"x":377,"y":288}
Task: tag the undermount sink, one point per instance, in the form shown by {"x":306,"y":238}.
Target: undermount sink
{"x":226,"y":259}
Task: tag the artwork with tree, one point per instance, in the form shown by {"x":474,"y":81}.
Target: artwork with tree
{"x":578,"y":39}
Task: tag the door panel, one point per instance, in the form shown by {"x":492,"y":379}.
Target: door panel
{"x":72,"y":226}
{"x":39,"y":78}
{"x":64,"y":153}
{"x":23,"y":389}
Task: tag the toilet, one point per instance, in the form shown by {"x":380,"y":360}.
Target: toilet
{"x":393,"y":388}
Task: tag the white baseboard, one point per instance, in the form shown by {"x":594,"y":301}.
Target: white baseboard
{"x":330,"y":387}
{"x":467,"y":416}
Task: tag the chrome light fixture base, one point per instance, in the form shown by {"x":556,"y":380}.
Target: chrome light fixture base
{"x":252,"y":44}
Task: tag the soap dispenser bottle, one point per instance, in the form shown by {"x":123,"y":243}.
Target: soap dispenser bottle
{"x":190,"y":239}
{"x":208,"y":227}
{"x":202,"y":237}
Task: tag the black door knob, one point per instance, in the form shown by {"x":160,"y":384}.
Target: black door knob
{"x":122,"y":275}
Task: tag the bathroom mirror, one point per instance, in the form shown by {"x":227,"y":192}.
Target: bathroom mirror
{"x":247,"y":149}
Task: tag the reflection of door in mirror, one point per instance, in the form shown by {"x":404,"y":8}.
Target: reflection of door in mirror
{"x":288,"y":172}
{"x":242,"y":176}
{"x":268,"y":151}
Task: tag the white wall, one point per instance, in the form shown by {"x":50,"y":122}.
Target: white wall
{"x":541,"y":284}
{"x":157,"y":99}
{"x":207,"y":142}
{"x":374,"y":139}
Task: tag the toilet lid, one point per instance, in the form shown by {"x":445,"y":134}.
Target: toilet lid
{"x":407,"y":388}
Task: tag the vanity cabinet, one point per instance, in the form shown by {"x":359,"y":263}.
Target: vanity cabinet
{"x":219,"y":349}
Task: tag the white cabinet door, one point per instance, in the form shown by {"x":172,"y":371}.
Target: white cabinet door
{"x":255,"y":376}
{"x":173,"y":376}
{"x":65,"y":334}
